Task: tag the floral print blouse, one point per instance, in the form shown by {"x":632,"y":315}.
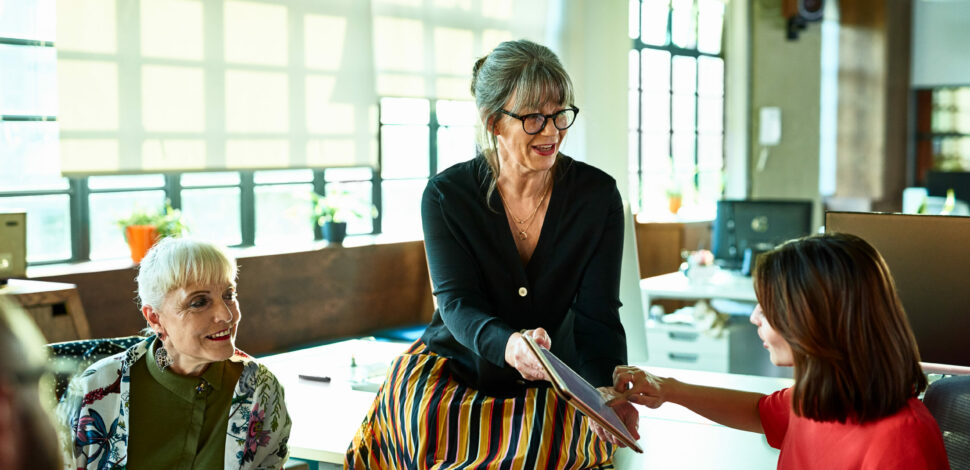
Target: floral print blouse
{"x":96,"y":410}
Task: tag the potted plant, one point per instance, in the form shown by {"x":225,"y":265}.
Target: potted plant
{"x":143,"y":227}
{"x":331,"y":212}
{"x":674,"y":199}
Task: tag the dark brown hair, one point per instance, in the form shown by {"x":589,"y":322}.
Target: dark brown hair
{"x":833,"y":299}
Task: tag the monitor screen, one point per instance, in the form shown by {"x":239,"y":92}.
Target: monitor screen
{"x":756,"y":225}
{"x":929,"y":257}
{"x":938,"y":182}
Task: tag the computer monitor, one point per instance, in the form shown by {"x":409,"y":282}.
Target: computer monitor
{"x":929,"y":257}
{"x":938,"y":182}
{"x":758,"y":225}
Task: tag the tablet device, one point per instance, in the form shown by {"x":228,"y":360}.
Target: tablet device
{"x":578,"y":392}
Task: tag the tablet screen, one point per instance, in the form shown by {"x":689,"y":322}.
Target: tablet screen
{"x":591,"y":403}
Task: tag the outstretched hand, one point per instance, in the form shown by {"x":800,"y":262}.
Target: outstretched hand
{"x":635,"y":385}
{"x":520,"y":356}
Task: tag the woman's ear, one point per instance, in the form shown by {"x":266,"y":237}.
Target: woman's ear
{"x":492,"y":125}
{"x":151,"y":316}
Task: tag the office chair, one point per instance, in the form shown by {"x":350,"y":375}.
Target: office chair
{"x":948,"y":399}
{"x":70,"y":358}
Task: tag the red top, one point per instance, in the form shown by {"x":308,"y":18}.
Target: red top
{"x":909,"y":439}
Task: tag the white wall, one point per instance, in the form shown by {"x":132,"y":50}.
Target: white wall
{"x":941,"y":43}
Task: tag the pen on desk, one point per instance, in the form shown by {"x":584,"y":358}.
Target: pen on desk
{"x":315,"y":378}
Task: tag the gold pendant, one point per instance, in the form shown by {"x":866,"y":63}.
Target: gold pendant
{"x":523,"y":235}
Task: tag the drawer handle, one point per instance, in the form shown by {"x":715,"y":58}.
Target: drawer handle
{"x":682,"y":357}
{"x":682,"y":336}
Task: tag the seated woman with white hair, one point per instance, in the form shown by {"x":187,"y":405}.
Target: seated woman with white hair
{"x":184,"y":397}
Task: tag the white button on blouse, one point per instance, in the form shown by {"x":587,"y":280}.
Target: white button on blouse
{"x":523,"y":292}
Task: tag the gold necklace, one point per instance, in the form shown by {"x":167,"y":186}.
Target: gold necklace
{"x":523,"y":232}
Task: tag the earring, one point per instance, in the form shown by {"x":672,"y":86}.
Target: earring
{"x":162,"y":358}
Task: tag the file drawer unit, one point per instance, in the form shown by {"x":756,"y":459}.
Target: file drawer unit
{"x":683,"y":346}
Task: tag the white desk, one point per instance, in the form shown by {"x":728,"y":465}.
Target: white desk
{"x":722,"y":284}
{"x":326,"y":415}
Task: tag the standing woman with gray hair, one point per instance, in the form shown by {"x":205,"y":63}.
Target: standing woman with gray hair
{"x":185,"y":397}
{"x":521,"y":241}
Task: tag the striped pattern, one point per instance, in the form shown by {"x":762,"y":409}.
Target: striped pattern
{"x":424,"y":419}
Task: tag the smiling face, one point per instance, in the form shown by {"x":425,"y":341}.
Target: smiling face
{"x":778,"y":348}
{"x":198,"y":325}
{"x":527,"y":153}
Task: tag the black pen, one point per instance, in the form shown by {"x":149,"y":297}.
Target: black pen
{"x":315,"y":378}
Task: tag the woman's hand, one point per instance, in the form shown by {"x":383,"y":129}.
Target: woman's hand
{"x":627,"y":413}
{"x":518,"y":354}
{"x":634,"y":385}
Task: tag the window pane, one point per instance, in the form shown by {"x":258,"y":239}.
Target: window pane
{"x":633,"y":109}
{"x":126,"y":182}
{"x":710,"y":186}
{"x":654,"y":193}
{"x":710,"y":75}
{"x":283,"y":214}
{"x":283,"y":176}
{"x":683,"y":147}
{"x":684,"y":113}
{"x":656,"y":152}
{"x":362,"y":192}
{"x":656,"y":111}
{"x":710,"y":20}
{"x":404,"y":151}
{"x":48,"y":225}
{"x":685,"y":74}
{"x":213,"y":214}
{"x":348,"y":174}
{"x":29,"y":156}
{"x":27,"y":19}
{"x":402,"y":208}
{"x":405,"y":111}
{"x":682,"y":30}
{"x":654,"y":22}
{"x":710,"y":152}
{"x":456,"y":113}
{"x":656,"y":70}
{"x":28,"y":79}
{"x":107,"y":239}
{"x":634,"y":22}
{"x":224,"y":178}
{"x":710,"y":114}
{"x":455,"y":145}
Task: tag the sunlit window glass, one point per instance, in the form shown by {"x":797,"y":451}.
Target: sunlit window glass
{"x":48,"y":225}
{"x":213,"y":214}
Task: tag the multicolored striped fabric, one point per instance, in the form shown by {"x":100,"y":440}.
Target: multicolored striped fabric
{"x":424,"y":419}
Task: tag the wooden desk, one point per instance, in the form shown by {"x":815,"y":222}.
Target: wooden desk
{"x":326,"y":415}
{"x":54,"y":306}
{"x":720,"y":285}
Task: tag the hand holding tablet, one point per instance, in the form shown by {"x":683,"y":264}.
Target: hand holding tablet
{"x":580,"y":394}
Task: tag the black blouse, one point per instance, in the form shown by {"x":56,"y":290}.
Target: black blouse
{"x":484,"y":293}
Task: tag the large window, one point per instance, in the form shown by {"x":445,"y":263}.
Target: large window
{"x":676,"y":95}
{"x":419,"y":138}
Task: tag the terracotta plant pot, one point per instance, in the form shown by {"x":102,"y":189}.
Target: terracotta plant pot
{"x":140,"y":240}
{"x":673,"y":203}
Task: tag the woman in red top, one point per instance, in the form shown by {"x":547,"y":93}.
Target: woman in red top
{"x":827,"y":306}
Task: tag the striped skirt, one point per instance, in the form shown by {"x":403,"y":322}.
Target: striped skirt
{"x":424,"y":419}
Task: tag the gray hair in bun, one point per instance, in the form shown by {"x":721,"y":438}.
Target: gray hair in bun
{"x":528,"y":73}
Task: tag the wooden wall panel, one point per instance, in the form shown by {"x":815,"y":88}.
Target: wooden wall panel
{"x":290,"y":300}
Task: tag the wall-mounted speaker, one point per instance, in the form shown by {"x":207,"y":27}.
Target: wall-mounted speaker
{"x":13,"y":245}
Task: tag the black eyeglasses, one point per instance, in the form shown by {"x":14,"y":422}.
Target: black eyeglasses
{"x":534,"y":123}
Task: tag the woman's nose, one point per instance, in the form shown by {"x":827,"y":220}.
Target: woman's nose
{"x":226,"y":315}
